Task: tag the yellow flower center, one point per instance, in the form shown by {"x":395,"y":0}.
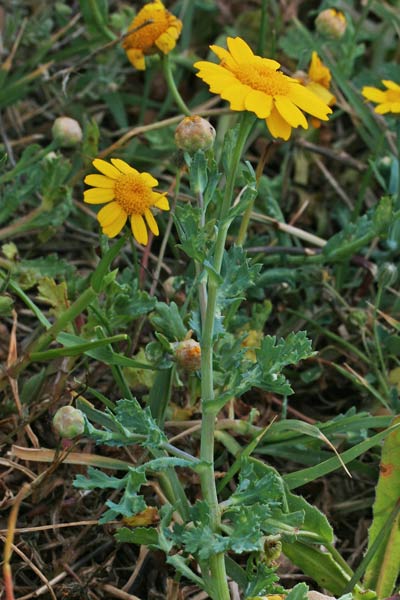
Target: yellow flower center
{"x":132,"y":194}
{"x":147,"y":27}
{"x":262,"y":78}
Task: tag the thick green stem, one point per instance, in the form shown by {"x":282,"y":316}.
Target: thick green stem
{"x":172,"y":86}
{"x":220,"y":589}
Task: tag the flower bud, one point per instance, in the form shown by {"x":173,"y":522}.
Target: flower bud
{"x":331,"y":23}
{"x":69,"y":422}
{"x":387,"y":274}
{"x":188,"y":354}
{"x":66,"y":132}
{"x":194,"y":133}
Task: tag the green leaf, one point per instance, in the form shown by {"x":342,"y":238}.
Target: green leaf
{"x":384,"y":567}
{"x":355,"y":236}
{"x":314,"y":520}
{"x":294,"y":480}
{"x":168,"y":321}
{"x":253,"y":488}
{"x":238,"y":274}
{"x":198,"y":176}
{"x":97,"y":479}
{"x":273,"y":356}
{"x":262,"y":579}
{"x":299,"y":592}
{"x":318,"y":565}
{"x":144,"y":536}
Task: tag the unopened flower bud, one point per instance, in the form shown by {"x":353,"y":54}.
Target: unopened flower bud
{"x":69,"y":422}
{"x":194,"y":133}
{"x":387,"y":274}
{"x":331,"y":23}
{"x":66,"y":132}
{"x":188,"y":354}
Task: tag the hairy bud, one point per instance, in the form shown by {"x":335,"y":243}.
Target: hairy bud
{"x":194,"y":133}
{"x":66,"y":132}
{"x":188,"y":354}
{"x":69,"y":422}
{"x":331,"y":23}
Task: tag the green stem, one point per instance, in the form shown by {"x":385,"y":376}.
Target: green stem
{"x":172,"y":86}
{"x":217,"y":563}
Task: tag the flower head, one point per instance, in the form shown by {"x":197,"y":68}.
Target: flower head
{"x":331,"y":23}
{"x":153,"y":29}
{"x":388,"y":100}
{"x":126,"y":193}
{"x":250,"y":82}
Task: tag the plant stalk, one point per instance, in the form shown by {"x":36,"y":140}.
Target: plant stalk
{"x":217,"y":562}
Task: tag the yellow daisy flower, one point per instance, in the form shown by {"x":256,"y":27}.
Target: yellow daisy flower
{"x":127,"y":193}
{"x":250,"y":82}
{"x":153,"y":29}
{"x":388,"y":100}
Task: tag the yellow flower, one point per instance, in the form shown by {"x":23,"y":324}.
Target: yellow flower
{"x":154,"y":28}
{"x":317,"y":80}
{"x":250,"y":82}
{"x":127,"y":193}
{"x":388,"y":100}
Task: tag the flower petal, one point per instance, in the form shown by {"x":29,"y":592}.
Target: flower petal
{"x":224,"y":56}
{"x":116,"y":226}
{"x":308,"y":101}
{"x":391,"y":85}
{"x":165,"y":43}
{"x":385,"y":107}
{"x":160,"y":201}
{"x":151,"y":222}
{"x":105,"y":168}
{"x":139,"y":229}
{"x":278,"y":126}
{"x":373,"y":94}
{"x":240,"y":51}
{"x":98,"y":196}
{"x":123,"y":166}
{"x":136,"y":58}
{"x":109,"y":213}
{"x":322,"y":93}
{"x":259,"y":103}
{"x":290,"y":113}
{"x":236,"y":95}
{"x":99,"y":181}
{"x":148,"y":179}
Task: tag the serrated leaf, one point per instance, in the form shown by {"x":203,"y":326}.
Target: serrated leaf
{"x":238,"y":274}
{"x":97,"y":479}
{"x":167,"y":320}
{"x":273,"y":356}
{"x":299,"y":592}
